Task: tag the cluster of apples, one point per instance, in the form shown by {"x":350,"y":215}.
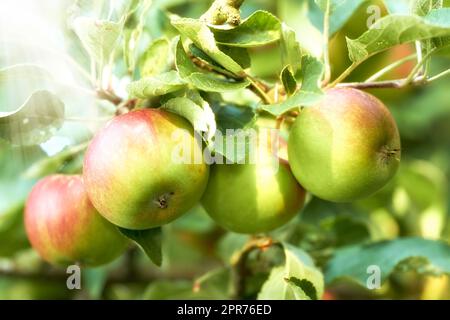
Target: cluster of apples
{"x":343,"y":149}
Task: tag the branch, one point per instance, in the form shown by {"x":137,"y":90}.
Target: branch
{"x":110,"y":96}
{"x":397,"y":84}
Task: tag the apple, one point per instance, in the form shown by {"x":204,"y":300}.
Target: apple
{"x":346,"y":147}
{"x":133,"y":174}
{"x":64,"y":227}
{"x":256,"y":196}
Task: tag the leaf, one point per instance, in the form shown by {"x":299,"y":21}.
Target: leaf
{"x":230,"y":116}
{"x":340,"y":12}
{"x":35,"y":121}
{"x":387,"y":255}
{"x":306,"y":286}
{"x":149,"y":240}
{"x":94,"y":281}
{"x":240,"y":55}
{"x":156,"y":58}
{"x":203,"y":38}
{"x":398,"y":6}
{"x":54,"y":163}
{"x":233,"y":123}
{"x":311,"y":74}
{"x":309,"y":93}
{"x":201,"y":80}
{"x":261,"y":28}
{"x":288,"y":80}
{"x":297,"y":15}
{"x":99,"y":37}
{"x":398,"y":29}
{"x":157,"y":85}
{"x":133,"y":29}
{"x":297,"y":279}
{"x":290,"y":49}
{"x":201,"y":117}
{"x":423,"y":7}
{"x":211,"y":83}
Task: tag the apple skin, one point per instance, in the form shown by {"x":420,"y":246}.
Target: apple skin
{"x":131,"y":176}
{"x":64,"y":227}
{"x":253,"y":197}
{"x":346,"y":147}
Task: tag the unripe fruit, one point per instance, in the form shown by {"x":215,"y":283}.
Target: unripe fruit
{"x":132,"y":173}
{"x":254,"y":197}
{"x":64,"y":227}
{"x":346,"y":147}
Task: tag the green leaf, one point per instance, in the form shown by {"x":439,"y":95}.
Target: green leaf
{"x":353,"y":261}
{"x":99,"y":37}
{"x":201,"y":80}
{"x":133,"y":29}
{"x":311,"y":74}
{"x":156,"y":58}
{"x":203,"y":38}
{"x":340,"y":12}
{"x":94,"y":281}
{"x":305,"y":287}
{"x":211,"y":83}
{"x":288,"y":80}
{"x":54,"y":163}
{"x":423,"y":7}
{"x":149,"y":240}
{"x":230,"y":116}
{"x":35,"y":121}
{"x":297,"y":15}
{"x":398,"y":29}
{"x":309,"y":93}
{"x":290,"y":49}
{"x":298,"y":279}
{"x":299,"y":99}
{"x":259,"y":29}
{"x":240,"y":55}
{"x":157,"y":85}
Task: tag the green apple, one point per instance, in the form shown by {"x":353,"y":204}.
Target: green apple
{"x":256,"y":196}
{"x":346,"y":147}
{"x":142,"y":170}
{"x":64,"y":227}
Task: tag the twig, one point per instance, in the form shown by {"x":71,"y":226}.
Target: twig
{"x":345,"y":74}
{"x":109,"y":95}
{"x":390,"y":67}
{"x":239,"y":263}
{"x":259,"y":89}
{"x":418,"y":67}
{"x":440,"y":75}
{"x":383,"y":84}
